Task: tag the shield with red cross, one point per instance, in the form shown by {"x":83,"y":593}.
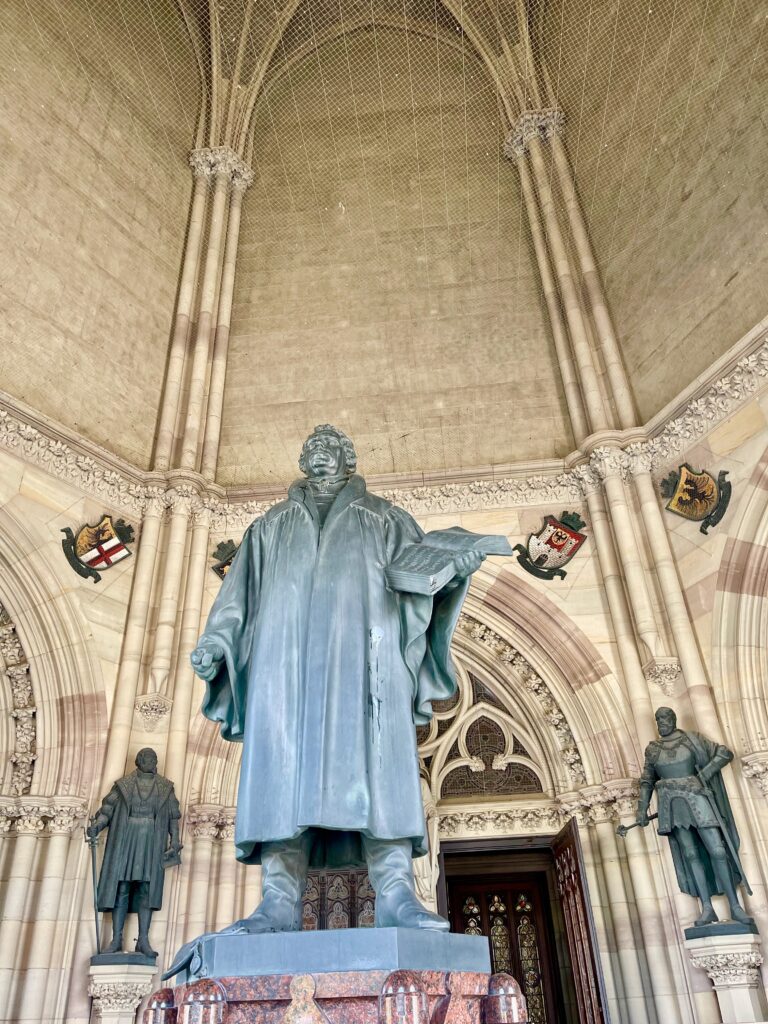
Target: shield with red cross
{"x":97,"y":547}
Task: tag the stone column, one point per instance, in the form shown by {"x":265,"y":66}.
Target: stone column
{"x":200,"y":163}
{"x":29,"y":826}
{"x":612,"y":466}
{"x":225,"y":162}
{"x":732,"y":963}
{"x":552,"y":122}
{"x":658,"y":953}
{"x":242,"y":178}
{"x":203,"y":825}
{"x":527,"y":134}
{"x":226,"y":911}
{"x":38,"y":962}
{"x":118,"y":990}
{"x":694,"y":673}
{"x":516,"y":149}
{"x":626,"y":936}
{"x":121,"y":718}
{"x":184,"y":677}
{"x":181,"y":499}
{"x":636,"y":689}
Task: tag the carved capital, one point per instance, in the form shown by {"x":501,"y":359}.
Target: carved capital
{"x":221,"y":162}
{"x":227,"y":825}
{"x":728,"y":968}
{"x":541,"y":124}
{"x":587,"y":478}
{"x":607,"y":462}
{"x":29,"y":820}
{"x":112,"y":996}
{"x":664,"y":673}
{"x":64,"y":818}
{"x":208,"y":821}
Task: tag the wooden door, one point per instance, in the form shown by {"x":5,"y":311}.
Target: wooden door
{"x":579,"y":925}
{"x":511,"y":910}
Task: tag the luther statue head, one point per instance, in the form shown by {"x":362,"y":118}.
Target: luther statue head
{"x":666,"y":721}
{"x":327,"y":454}
{"x":146,"y":761}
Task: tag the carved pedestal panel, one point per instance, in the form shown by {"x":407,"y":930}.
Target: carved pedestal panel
{"x":352,"y":997}
{"x":732,"y":963}
{"x":117,"y":990}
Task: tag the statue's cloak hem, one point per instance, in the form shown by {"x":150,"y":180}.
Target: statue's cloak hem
{"x":704,"y":750}
{"x":331,"y":747}
{"x":116,"y":806}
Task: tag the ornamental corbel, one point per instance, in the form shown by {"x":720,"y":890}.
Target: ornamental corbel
{"x":755,"y":768}
{"x":664,"y":673}
{"x":152,"y":709}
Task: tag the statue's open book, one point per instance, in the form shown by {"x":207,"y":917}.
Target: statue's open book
{"x":426,"y":567}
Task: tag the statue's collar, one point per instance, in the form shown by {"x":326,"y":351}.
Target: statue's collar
{"x":301,"y":491}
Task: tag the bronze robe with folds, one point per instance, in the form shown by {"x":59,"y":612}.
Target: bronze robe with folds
{"x":326,"y":673}
{"x":116,"y":807}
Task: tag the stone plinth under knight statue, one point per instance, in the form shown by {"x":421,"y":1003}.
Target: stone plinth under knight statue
{"x":142,"y":814}
{"x":694,"y":813}
{"x":322,"y":670}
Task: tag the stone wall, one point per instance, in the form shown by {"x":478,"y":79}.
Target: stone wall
{"x":384,"y":279}
{"x":93,"y":200}
{"x":664,"y":106}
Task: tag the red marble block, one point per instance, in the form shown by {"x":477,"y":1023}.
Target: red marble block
{"x":161,"y":1008}
{"x":403,"y":1000}
{"x":203,"y":1002}
{"x":354,"y":997}
{"x":505,"y":1003}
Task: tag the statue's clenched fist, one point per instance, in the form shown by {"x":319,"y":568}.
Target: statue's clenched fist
{"x":206,"y":661}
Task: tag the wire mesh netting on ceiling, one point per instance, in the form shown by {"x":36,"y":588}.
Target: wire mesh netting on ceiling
{"x":382,"y":206}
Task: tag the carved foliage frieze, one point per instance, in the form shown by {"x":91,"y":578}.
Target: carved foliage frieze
{"x":23,"y":710}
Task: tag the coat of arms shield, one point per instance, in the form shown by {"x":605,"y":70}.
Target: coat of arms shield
{"x":553,"y":546}
{"x":697,"y":496}
{"x":97,"y":547}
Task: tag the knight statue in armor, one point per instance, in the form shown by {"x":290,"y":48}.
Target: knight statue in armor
{"x":694,"y":813}
{"x":142,"y":814}
{"x":322,"y":671}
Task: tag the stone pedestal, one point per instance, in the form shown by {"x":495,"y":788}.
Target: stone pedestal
{"x":352,"y":997}
{"x":117,"y":990}
{"x":732,"y":963}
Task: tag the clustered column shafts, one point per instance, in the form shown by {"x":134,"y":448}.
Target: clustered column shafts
{"x":635,"y":617}
{"x":184,"y":313}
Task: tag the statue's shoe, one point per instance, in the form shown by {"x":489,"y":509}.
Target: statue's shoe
{"x":145,"y":949}
{"x":116,"y":945}
{"x":400,"y":909}
{"x":275,"y":913}
{"x":740,"y":915}
{"x":708,"y":916}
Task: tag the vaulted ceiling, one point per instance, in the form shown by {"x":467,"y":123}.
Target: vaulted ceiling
{"x":385,"y":278}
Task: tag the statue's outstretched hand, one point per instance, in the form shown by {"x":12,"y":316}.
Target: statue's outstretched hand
{"x":468,"y":563}
{"x":206,"y":661}
{"x":642,"y":818}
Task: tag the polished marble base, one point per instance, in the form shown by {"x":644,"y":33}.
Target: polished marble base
{"x":343,"y":997}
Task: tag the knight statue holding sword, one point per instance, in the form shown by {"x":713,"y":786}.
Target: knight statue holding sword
{"x":684,"y":768}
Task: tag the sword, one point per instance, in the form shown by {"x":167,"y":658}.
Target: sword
{"x":92,"y":843}
{"x":623,"y":829}
{"x":726,"y":834}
